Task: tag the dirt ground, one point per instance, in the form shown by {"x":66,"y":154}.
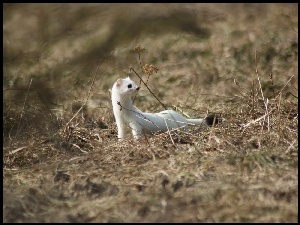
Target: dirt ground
{"x":62,"y":161}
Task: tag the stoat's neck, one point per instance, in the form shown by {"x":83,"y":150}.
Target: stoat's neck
{"x":125,"y":102}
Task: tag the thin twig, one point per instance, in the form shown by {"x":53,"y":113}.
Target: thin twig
{"x":291,"y":145}
{"x":284,"y":86}
{"x":85,"y":100}
{"x":140,"y":62}
{"x":258,"y":119}
{"x":142,"y":72}
{"x":237,"y":84}
{"x":16,"y":150}
{"x":181,"y":111}
{"x":148,"y":88}
{"x":147,"y":78}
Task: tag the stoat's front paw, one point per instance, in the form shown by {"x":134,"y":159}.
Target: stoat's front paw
{"x":138,"y":138}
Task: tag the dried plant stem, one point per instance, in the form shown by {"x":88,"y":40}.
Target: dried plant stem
{"x":181,"y":111}
{"x":291,"y":145}
{"x":258,"y":119}
{"x":262,"y":94}
{"x":21,"y":116}
{"x":237,"y":84}
{"x":140,"y":62}
{"x":146,"y":138}
{"x":148,"y":88}
{"x":170,"y":135}
{"x":253,"y":96}
{"x":284,"y":86}
{"x":147,"y":78}
{"x":211,"y":130}
{"x":85,"y":100}
{"x":279,"y":117}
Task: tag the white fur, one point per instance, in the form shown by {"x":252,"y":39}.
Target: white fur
{"x":126,"y":114}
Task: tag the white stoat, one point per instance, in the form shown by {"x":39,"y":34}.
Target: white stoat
{"x":126,"y":114}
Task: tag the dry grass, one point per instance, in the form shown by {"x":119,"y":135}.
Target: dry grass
{"x":62,"y":164}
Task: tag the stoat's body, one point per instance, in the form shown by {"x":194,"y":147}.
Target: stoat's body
{"x":126,"y":114}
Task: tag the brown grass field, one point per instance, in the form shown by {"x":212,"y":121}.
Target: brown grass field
{"x":61,"y":158}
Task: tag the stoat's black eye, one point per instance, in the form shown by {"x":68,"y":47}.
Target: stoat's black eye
{"x":129,"y":86}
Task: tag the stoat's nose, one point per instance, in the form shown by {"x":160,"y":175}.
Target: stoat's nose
{"x":138,"y":88}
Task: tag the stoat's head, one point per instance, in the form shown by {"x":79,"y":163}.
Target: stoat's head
{"x":126,"y":87}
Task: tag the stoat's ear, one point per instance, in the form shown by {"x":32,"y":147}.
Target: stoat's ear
{"x":119,"y":82}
